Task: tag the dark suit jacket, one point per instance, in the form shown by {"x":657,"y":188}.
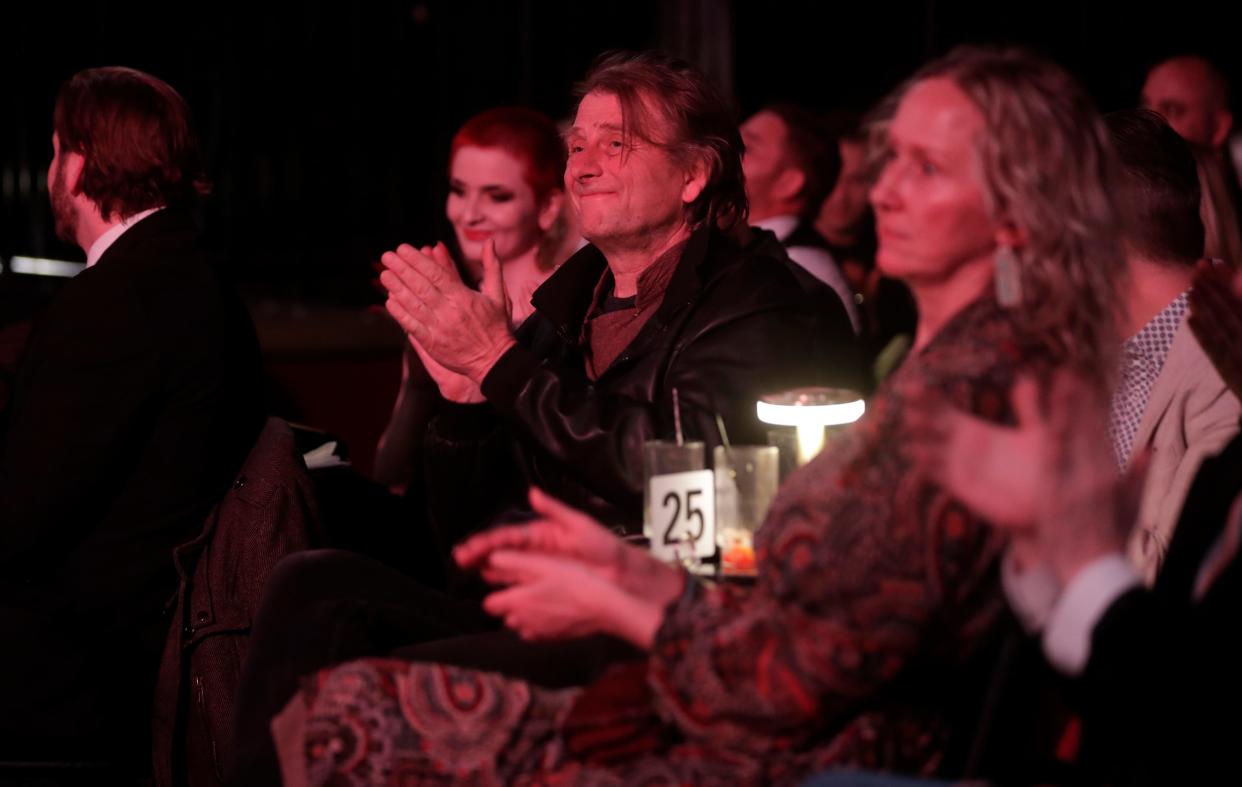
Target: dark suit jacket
{"x":1162,"y":691}
{"x":136,"y":401}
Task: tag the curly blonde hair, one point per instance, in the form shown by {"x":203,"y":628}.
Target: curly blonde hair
{"x":1048,"y":169}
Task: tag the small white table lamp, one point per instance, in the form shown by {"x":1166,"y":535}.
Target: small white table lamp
{"x":810,"y":410}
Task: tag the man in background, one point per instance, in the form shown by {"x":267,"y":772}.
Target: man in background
{"x":790,"y":169}
{"x":1169,"y":398}
{"x":1193,"y":96}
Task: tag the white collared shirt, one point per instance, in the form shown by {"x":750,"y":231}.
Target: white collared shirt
{"x":815,"y":261}
{"x":1067,"y":615}
{"x":781,"y":226}
{"x":105,"y":241}
{"x":1081,"y":605}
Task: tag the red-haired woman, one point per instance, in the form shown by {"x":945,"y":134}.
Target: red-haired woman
{"x":505,"y":185}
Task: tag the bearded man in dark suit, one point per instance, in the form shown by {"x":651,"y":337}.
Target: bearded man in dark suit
{"x":136,"y":401}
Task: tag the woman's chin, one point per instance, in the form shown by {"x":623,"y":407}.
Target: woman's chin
{"x":470,"y":250}
{"x":892,"y":265}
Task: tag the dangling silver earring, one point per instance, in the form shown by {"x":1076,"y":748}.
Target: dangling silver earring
{"x":1008,"y":278}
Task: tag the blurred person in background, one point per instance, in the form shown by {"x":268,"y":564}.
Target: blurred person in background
{"x":847,"y":222}
{"x":1192,"y":94}
{"x":790,"y":167}
{"x":845,"y":219}
{"x":1169,"y":399}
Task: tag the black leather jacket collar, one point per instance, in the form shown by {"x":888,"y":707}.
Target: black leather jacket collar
{"x":565,"y":298}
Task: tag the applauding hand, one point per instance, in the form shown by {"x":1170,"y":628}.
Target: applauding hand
{"x":559,"y":530}
{"x":1051,"y":481}
{"x":554,"y":597}
{"x":994,"y":470}
{"x":568,"y":575}
{"x":565,"y":532}
{"x":453,"y":386}
{"x":462,"y":330}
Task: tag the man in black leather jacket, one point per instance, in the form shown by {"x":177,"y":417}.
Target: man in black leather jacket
{"x":672,"y":294}
{"x":664,"y":299}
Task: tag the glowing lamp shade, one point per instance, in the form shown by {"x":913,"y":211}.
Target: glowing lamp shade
{"x":810,"y":410}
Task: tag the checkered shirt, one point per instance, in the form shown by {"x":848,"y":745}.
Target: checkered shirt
{"x":1142,"y":358}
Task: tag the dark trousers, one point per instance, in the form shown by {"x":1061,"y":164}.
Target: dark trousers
{"x":325,"y":607}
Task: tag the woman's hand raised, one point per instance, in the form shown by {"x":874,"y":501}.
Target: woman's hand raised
{"x":559,"y":531}
{"x":568,"y":576}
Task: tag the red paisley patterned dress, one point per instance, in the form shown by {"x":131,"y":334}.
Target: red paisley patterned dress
{"x":873,"y":587}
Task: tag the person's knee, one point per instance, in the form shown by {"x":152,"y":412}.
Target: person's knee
{"x":307,"y":577}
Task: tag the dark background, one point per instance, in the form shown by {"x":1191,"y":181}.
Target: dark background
{"x":326,"y":124}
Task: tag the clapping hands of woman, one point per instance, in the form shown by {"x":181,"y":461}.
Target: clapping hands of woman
{"x":565,"y":575}
{"x":1051,"y":482}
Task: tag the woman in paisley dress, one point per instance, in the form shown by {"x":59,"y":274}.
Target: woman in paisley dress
{"x":875,"y":588}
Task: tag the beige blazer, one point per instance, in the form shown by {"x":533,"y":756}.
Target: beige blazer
{"x":1190,"y":416}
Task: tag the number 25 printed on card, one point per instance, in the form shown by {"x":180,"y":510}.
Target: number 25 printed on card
{"x":683,"y":515}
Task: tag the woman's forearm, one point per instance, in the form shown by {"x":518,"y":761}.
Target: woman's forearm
{"x":635,"y":620}
{"x":645,"y":589}
{"x":645,"y":577}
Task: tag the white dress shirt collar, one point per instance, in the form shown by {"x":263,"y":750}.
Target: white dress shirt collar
{"x":781,"y":226}
{"x":105,"y":241}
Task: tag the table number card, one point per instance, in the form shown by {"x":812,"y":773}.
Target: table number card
{"x":683,"y":515}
